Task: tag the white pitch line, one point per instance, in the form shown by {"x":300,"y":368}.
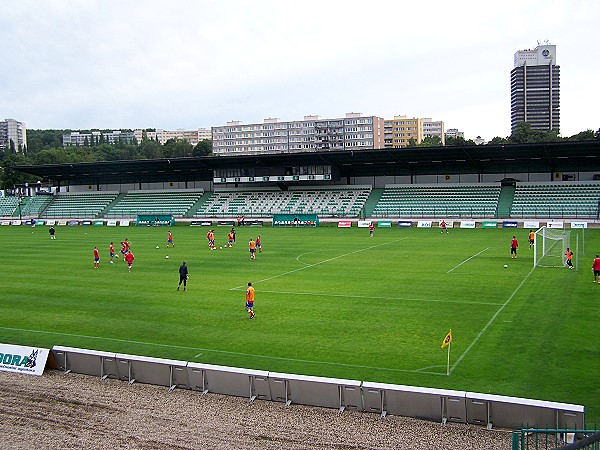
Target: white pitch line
{"x":491,"y":321}
{"x":468,"y":259}
{"x":208,"y":350}
{"x":320,"y":262}
{"x":408,"y":299}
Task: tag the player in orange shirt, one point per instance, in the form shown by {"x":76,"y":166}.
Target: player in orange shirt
{"x":531,"y":239}
{"x":250,"y":300}
{"x":569,"y":261}
{"x":252,"y":246}
{"x":230,"y":238}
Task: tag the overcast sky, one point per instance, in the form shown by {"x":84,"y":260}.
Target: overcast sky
{"x":192,"y":64}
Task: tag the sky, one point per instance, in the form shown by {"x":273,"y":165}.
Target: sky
{"x":124,"y":64}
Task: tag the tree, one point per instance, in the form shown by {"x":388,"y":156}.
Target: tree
{"x":587,"y":135}
{"x":523,"y":134}
{"x":458,"y":141}
{"x":498,"y":141}
{"x":431,"y":141}
{"x":203,"y":148}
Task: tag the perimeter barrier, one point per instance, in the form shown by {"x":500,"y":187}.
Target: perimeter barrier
{"x":438,"y":405}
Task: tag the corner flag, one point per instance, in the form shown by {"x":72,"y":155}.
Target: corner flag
{"x":447,"y":339}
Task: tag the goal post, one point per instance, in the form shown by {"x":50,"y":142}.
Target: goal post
{"x":550,"y":246}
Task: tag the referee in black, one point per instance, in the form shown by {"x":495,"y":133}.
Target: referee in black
{"x":183,"y":276}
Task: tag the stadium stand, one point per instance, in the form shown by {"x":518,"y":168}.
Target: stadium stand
{"x":175,"y":202}
{"x":564,"y":199}
{"x":78,"y":205}
{"x":8,"y":205}
{"x":427,"y":200}
{"x":36,"y":205}
{"x":345,"y":201}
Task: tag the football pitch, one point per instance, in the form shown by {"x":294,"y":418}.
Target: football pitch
{"x":329,"y":302}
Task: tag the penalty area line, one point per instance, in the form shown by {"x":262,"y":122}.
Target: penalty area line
{"x":308,"y":266}
{"x":248,"y":355}
{"x":468,"y":259}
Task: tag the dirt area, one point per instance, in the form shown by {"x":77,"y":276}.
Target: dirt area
{"x":60,"y":410}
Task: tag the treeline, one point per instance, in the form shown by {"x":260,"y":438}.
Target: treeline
{"x":45,"y":147}
{"x":522,"y":135}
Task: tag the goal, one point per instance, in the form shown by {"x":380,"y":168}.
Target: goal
{"x":550,"y":246}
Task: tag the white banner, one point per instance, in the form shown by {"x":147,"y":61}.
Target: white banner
{"x":467,"y":224}
{"x":62,"y":222}
{"x":424,"y":224}
{"x":531,"y":224}
{"x":344,"y":224}
{"x":555,"y":224}
{"x":51,"y":222}
{"x":579,"y":224}
{"x":19,"y":359}
{"x":123,"y":223}
{"x":364,"y":223}
{"x":5,"y":222}
{"x":16,"y":222}
{"x":111,"y":223}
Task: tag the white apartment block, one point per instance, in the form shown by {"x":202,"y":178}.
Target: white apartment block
{"x":312,"y":134}
{"x":434,"y":128}
{"x":78,"y":139}
{"x":13,"y":131}
{"x":162,"y":136}
{"x":454,"y":133}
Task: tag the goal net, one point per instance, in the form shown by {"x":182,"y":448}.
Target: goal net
{"x":550,"y":246}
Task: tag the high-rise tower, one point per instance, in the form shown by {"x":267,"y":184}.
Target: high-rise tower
{"x":535,"y":89}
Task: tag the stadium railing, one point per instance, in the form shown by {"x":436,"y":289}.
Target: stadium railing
{"x":425,"y":403}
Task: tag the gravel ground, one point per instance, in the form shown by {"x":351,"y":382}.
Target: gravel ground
{"x":60,"y":410}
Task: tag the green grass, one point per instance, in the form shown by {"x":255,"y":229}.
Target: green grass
{"x":329,"y":302}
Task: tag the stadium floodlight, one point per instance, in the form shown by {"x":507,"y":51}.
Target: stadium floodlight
{"x":550,"y":246}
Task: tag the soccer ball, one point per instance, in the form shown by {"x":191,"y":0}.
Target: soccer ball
{"x":166,"y":256}
{"x":506,"y":266}
{"x":220,"y":248}
{"x":157,"y":246}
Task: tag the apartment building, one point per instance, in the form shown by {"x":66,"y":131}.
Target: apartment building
{"x":13,"y":131}
{"x":354,"y":131}
{"x":454,"y":133}
{"x":433,"y":128}
{"x":78,"y":139}
{"x":401,"y":129}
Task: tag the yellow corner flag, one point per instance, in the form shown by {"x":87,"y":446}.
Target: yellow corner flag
{"x":447,"y":339}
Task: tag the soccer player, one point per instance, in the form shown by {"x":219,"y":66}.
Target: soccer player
{"x":371,"y":229}
{"x":211,"y":239}
{"x":252,"y":246}
{"x":569,"y":261}
{"x":96,"y":258}
{"x":443,"y":226}
{"x":258,"y":244}
{"x":514,"y":245}
{"x":123,"y":249}
{"x":250,"y":300}
{"x":111,"y":252}
{"x":183,"y":276}
{"x":230,"y":237}
{"x":51,"y":231}
{"x":233,"y":232}
{"x":531,"y":239}
{"x":596,"y":269}
{"x":129,"y":258}
{"x":170,"y":239}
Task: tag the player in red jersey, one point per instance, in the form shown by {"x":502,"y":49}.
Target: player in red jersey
{"x":129,"y":258}
{"x":111,"y":252}
{"x":371,"y":229}
{"x":96,"y":258}
{"x":170,"y":239}
{"x":596,"y":269}
{"x":258,"y":244}
{"x":514,"y":245}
